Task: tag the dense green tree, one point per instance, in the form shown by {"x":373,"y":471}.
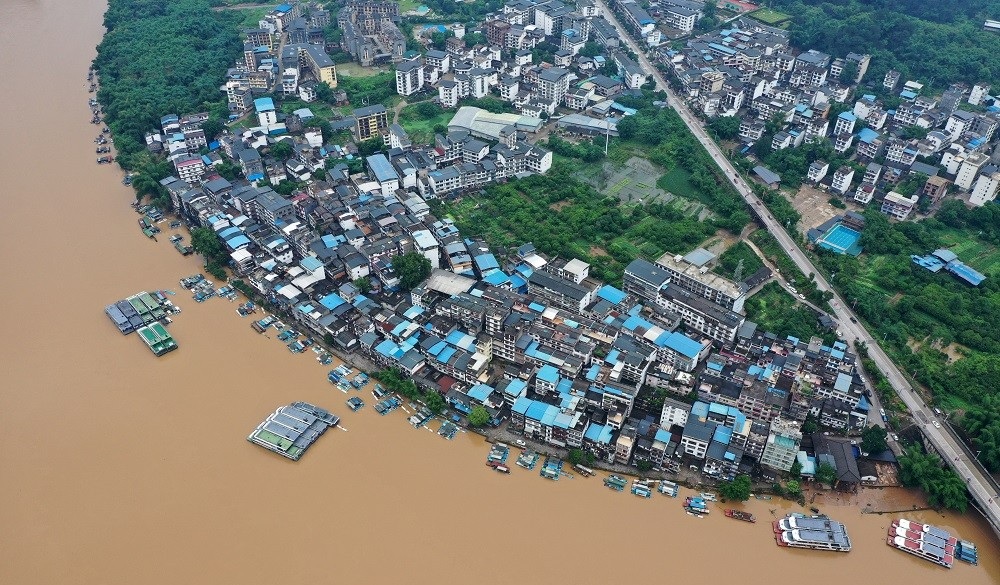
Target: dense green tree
{"x":412,"y":269}
{"x":796,"y":470}
{"x":591,"y":49}
{"x":873,"y":439}
{"x":435,"y":402}
{"x":826,"y":474}
{"x":205,"y":242}
{"x":737,"y":490}
{"x":282,"y":150}
{"x":158,"y":58}
{"x":363,"y":284}
{"x":793,"y":488}
{"x":479,"y":416}
{"x":576,"y":456}
{"x":944,"y":488}
{"x":725,"y":127}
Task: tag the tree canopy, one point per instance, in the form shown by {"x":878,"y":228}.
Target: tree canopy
{"x":159,"y":58}
{"x":737,"y":490}
{"x":826,"y":474}
{"x":935,"y":42}
{"x":412,"y":269}
{"x":873,"y":439}
{"x":944,"y":488}
{"x":479,"y":416}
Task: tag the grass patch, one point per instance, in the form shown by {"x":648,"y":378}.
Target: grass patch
{"x":564,"y":216}
{"x":729,"y":261}
{"x":774,"y":309}
{"x":419,"y":121}
{"x":974,"y":252}
{"x":251,"y":16}
{"x":771,"y":17}
{"x":354,"y":70}
{"x":678,"y":182}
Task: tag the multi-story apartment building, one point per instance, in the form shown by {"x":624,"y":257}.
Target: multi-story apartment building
{"x":782,"y":445}
{"x":371,"y":121}
{"x":409,"y":77}
{"x":692,"y":273}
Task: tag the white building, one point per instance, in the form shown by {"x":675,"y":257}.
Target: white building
{"x":898,"y":206}
{"x":409,"y":77}
{"x":782,"y":444}
{"x":428,"y":247}
{"x":674,"y":413}
{"x":842,"y":180}
{"x":985,"y":189}
{"x":974,"y":161}
{"x":979,"y":92}
{"x":448,"y":93}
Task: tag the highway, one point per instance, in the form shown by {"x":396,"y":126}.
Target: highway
{"x":981,"y":485}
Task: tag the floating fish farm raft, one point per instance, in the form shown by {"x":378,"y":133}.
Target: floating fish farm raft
{"x":291,"y":429}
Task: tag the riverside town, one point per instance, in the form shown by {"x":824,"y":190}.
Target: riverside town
{"x":662,"y":242}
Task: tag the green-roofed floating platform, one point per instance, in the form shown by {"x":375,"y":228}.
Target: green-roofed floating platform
{"x":155,"y":336}
{"x":291,"y":429}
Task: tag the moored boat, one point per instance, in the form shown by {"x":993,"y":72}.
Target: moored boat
{"x":740,"y":515}
{"x":813,"y":532}
{"x":923,"y":540}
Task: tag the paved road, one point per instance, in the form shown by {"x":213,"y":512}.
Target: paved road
{"x":982,"y":487}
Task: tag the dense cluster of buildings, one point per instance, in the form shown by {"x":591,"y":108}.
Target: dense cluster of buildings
{"x":370,"y":32}
{"x":562,"y":358}
{"x":292,"y":68}
{"x":505,"y":66}
{"x":749,"y":70}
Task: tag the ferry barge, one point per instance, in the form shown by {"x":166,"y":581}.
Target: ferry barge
{"x":923,"y":540}
{"x":814,"y":532}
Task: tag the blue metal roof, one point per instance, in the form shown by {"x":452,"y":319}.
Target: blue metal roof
{"x":867,"y":135}
{"x":684,"y":345}
{"x":548,"y":374}
{"x":598,"y":433}
{"x":662,"y":436}
{"x":611,"y":294}
{"x":311,"y":263}
{"x":332,"y":301}
{"x":381,"y":168}
{"x":264,"y":104}
{"x":480,"y":392}
{"x":238,"y":242}
{"x":516,"y":388}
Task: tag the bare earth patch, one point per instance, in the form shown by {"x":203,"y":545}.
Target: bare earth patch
{"x":559,"y":205}
{"x":814,"y":207}
{"x":597,"y":251}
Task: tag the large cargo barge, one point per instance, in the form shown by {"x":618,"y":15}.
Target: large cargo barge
{"x":813,"y":532}
{"x":923,"y":540}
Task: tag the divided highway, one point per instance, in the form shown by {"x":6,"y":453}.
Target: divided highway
{"x":983,"y":488}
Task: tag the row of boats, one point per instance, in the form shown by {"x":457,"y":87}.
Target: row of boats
{"x":930,"y":543}
{"x":819,"y":532}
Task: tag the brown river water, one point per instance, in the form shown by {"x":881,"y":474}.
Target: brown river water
{"x":119,"y":467}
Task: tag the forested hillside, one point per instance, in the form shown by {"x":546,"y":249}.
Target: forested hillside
{"x":936,"y":42}
{"x":158,"y":58}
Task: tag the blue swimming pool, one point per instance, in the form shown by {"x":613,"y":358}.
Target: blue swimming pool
{"x":842,"y":240}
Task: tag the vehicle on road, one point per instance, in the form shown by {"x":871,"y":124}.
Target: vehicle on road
{"x":520,"y":443}
{"x":853,"y":320}
{"x":881,"y":411}
{"x":936,"y":424}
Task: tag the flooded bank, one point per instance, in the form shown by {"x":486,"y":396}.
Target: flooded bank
{"x":121,"y":467}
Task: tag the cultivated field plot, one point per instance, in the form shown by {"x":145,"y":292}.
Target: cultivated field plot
{"x":980,"y":255}
{"x":637,"y":180}
{"x":771,"y":17}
